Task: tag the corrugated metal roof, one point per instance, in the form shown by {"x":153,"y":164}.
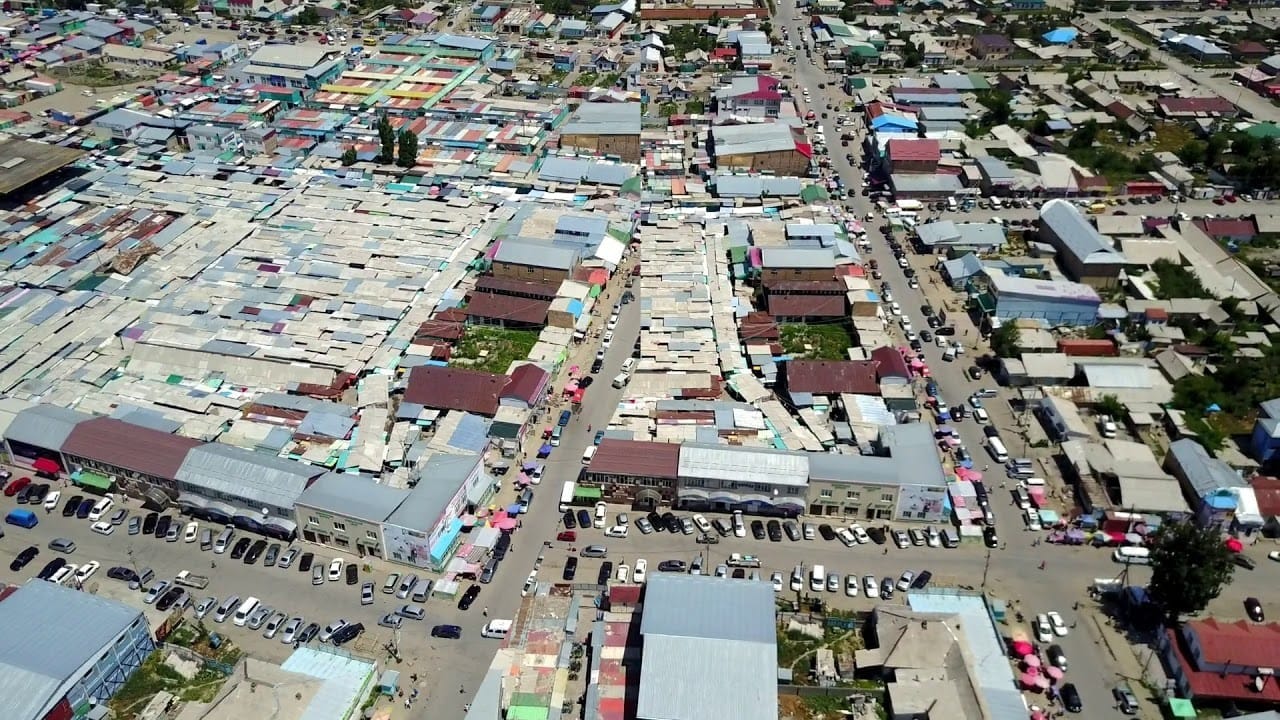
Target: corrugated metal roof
{"x":44,"y":426}
{"x":128,"y":446}
{"x":440,"y":478}
{"x":1076,"y":234}
{"x":536,"y":254}
{"x":743,"y":464}
{"x":709,"y":649}
{"x":352,"y":496}
{"x":38,"y":655}
{"x":255,"y":478}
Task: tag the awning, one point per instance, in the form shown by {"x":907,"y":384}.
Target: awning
{"x":591,"y":493}
{"x":223,"y":510}
{"x":46,"y":465}
{"x":93,"y":480}
{"x":284,"y":524}
{"x":188,"y":500}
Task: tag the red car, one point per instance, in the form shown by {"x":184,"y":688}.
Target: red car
{"x":567,"y":536}
{"x":1229,"y":198}
{"x":16,"y":486}
{"x":1219,"y":201}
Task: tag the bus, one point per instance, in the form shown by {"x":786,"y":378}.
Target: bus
{"x":244,"y":611}
{"x":996,"y":448}
{"x":1132,"y":556}
{"x":566,"y":495}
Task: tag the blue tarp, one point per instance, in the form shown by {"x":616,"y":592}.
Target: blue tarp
{"x":1060,"y":36}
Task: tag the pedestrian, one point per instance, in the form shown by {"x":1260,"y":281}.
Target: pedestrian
{"x":485,"y":612}
{"x":886,"y":551}
{"x":213,"y":564}
{"x":1041,"y":564}
{"x":462,"y":689}
{"x":406,"y":704}
{"x":414,"y":677}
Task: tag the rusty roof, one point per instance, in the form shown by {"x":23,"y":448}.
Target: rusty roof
{"x":816,"y":306}
{"x":522,"y":310}
{"x":636,"y":457}
{"x":132,"y":447}
{"x":831,"y":377}
{"x":445,"y":388}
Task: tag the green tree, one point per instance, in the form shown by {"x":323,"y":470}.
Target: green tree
{"x":408,"y":150}
{"x":1189,"y":567}
{"x":996,"y":103}
{"x":1194,"y":152}
{"x":387,"y":138}
{"x":1084,"y":136}
{"x":1111,"y":405}
{"x":308,"y":16}
{"x":349,"y":156}
{"x":1005,"y":341}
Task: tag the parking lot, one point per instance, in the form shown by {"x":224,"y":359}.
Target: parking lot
{"x":438,"y":661}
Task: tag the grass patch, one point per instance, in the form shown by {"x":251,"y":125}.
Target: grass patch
{"x":493,"y":349}
{"x":816,"y":342}
{"x":150,"y":679}
{"x":196,"y":637}
{"x":101,"y":76}
{"x":1170,"y":137}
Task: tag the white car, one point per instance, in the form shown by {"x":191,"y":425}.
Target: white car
{"x":1058,"y":624}
{"x":739,"y":526}
{"x":624,"y":573}
{"x":870,"y":586}
{"x":910,"y":335}
{"x":86,"y":571}
{"x":902,"y":261}
{"x":204,"y":607}
{"x":335,"y":570}
{"x":529,"y":583}
{"x":904,"y":582}
{"x":981,"y":416}
{"x":940,"y":341}
{"x":958,"y":347}
{"x":535,"y":477}
{"x":102,"y":507}
{"x":895,"y":308}
{"x":851,"y":585}
{"x":156,"y":591}
{"x":701,"y":522}
{"x":291,"y":630}
{"x":641,"y":570}
{"x":859,"y":534}
{"x":192,"y":532}
{"x":103,"y":527}
{"x":776,"y":579}
{"x":608,"y":339}
{"x":1274,"y":555}
{"x":1044,"y":633}
{"x":617,"y":531}
{"x":846,"y":537}
{"x":51,"y":500}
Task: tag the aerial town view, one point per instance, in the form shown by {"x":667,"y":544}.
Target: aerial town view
{"x":657,"y":360}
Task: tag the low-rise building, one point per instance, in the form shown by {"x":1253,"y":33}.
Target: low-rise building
{"x":721,"y":478}
{"x":604,"y":130}
{"x":762,"y":147}
{"x":904,"y":481}
{"x":1265,"y":440}
{"x":638,"y":473}
{"x":1085,"y":254}
{"x":302,"y":67}
{"x":1056,"y":302}
{"x":1217,"y":662}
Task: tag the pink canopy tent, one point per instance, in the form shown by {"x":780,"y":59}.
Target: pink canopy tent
{"x":1022,"y":648}
{"x":1053,"y":673}
{"x":1032,"y":661}
{"x":1037,"y":715}
{"x":506,"y":523}
{"x":1028,"y":680}
{"x":1042,"y":682}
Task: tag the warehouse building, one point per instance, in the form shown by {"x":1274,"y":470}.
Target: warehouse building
{"x":761,"y":481}
{"x":1085,"y":254}
{"x":65,"y":651}
{"x":1056,"y":302}
{"x":762,"y":147}
{"x":604,"y":130}
{"x":710,"y":650}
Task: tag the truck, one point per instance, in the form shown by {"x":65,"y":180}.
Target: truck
{"x":191,"y":580}
{"x":744,"y":561}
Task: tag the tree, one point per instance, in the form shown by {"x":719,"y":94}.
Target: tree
{"x":1111,"y":405}
{"x":997,"y":104}
{"x":387,"y":137}
{"x":349,"y":156}
{"x":1085,"y":136}
{"x":1189,"y":567}
{"x":1005,"y":341}
{"x":308,"y":16}
{"x":408,"y":149}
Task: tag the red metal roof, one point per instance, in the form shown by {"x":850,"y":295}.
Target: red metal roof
{"x":831,"y":377}
{"x":1267,"y":490}
{"x":890,"y":363}
{"x":131,"y":447}
{"x":527,"y":382}
{"x":1212,"y":684}
{"x":638,"y":458}
{"x":1211,"y":104}
{"x":526,"y":311}
{"x":445,"y":388}
{"x":915,"y":149}
{"x":1227,"y":227}
{"x":1237,"y":643}
{"x":807,"y":306}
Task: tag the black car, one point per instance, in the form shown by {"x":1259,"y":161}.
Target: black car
{"x":149,"y":523}
{"x":241,"y":548}
{"x":775,"y":531}
{"x":72,"y":505}
{"x":122,"y":573}
{"x":1056,"y":657}
{"x":255,"y":551}
{"x":347,"y":633}
{"x":990,"y":431}
{"x":50,"y":568}
{"x":596,"y":365}
{"x":304,"y":562}
{"x":1071,"y":698}
{"x":501,"y":547}
{"x":570,"y":568}
{"x":585,"y":382}
{"x":469,"y":597}
{"x":926,"y":336}
{"x":655,"y":520}
{"x":452,"y":632}
{"x":757,"y":530}
{"x":570,"y":522}
{"x":989,"y":537}
{"x":353,"y":574}
{"x":162,"y":526}
{"x":24,"y":557}
{"x":826,"y":532}
{"x":606,"y":572}
{"x":672,"y":523}
{"x":169,"y":597}
{"x":945,"y":330}
{"x":672,"y":566}
{"x":584,"y":519}
{"x":37,"y":493}
{"x":308,"y":633}
{"x":877,"y":535}
{"x":1254,"y":609}
{"x":921,"y":580}
{"x":23,"y":495}
{"x":273,"y":554}
{"x":975,"y":372}
{"x":86,"y":506}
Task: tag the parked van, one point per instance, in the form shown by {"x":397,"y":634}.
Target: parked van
{"x":101,"y":508}
{"x":797,"y":578}
{"x":526,"y":499}
{"x":589,"y":453}
{"x":143,"y":580}
{"x":224,"y":541}
{"x":629,"y":365}
{"x":818,"y":578}
{"x":486,"y":574}
{"x":206,"y":539}
{"x":556,"y":432}
{"x":22,"y":518}
{"x":1097,"y":208}
{"x":950,"y":539}
{"x":496,"y":629}
{"x":406,"y":585}
{"x":996,"y":448}
{"x":1033,"y":482}
{"x":422,"y":590}
{"x":620,"y":380}
{"x":1132,"y":556}
{"x":244,"y":611}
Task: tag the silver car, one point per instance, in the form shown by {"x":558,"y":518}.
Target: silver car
{"x":413,"y":612}
{"x":259,"y":617}
{"x":287,"y":558}
{"x":155,"y":592}
{"x":205,"y":606}
{"x":291,"y":629}
{"x":227,"y":607}
{"x":273,"y":625}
